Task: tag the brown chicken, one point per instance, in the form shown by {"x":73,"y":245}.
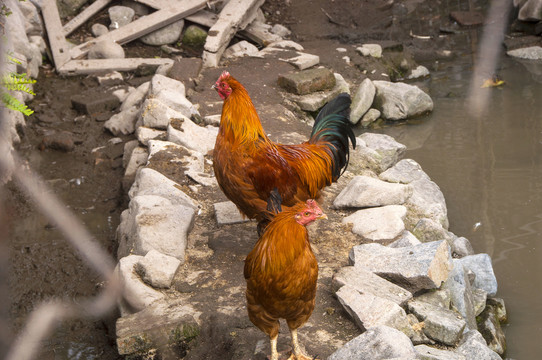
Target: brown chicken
{"x":248,"y":165}
{"x":281,"y":273}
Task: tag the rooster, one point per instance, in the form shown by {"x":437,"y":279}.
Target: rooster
{"x":248,"y":165}
{"x":281,"y":273}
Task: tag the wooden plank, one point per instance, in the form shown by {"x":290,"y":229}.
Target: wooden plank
{"x":83,"y":16}
{"x":155,"y":4}
{"x":57,"y":41}
{"x":203,"y":17}
{"x":144,"y":25}
{"x":79,"y":67}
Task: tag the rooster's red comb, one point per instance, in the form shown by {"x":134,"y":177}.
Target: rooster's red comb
{"x":225,"y":75}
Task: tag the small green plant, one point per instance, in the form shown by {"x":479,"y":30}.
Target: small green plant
{"x":13,"y":81}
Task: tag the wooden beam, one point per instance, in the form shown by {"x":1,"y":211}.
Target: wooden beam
{"x":144,"y":25}
{"x":155,"y":4}
{"x":83,"y":16}
{"x":57,"y":41}
{"x":203,"y":17}
{"x":79,"y":67}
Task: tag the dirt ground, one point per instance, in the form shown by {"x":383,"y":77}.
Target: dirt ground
{"x":43,"y":265}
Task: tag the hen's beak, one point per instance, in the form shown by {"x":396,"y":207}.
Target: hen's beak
{"x":323,"y":216}
{"x":213,"y":87}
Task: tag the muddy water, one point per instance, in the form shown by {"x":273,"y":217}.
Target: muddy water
{"x":490,"y":171}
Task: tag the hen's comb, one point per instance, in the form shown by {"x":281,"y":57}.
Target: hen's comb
{"x":224,"y":76}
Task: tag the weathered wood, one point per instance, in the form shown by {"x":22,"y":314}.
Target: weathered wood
{"x":57,"y":41}
{"x":83,"y":16}
{"x":235,"y":16}
{"x":155,"y":4}
{"x":203,"y":17}
{"x":144,"y":25}
{"x":79,"y":67}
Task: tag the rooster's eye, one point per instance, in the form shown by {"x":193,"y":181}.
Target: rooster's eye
{"x":307,"y":213}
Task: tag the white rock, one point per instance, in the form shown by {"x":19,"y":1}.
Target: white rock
{"x":529,"y":53}
{"x":138,"y":158}
{"x":281,"y":30}
{"x":420,"y":71}
{"x":122,"y":93}
{"x":144,"y":134}
{"x":368,"y":310}
{"x":481,"y":266}
{"x":377,"y":343}
{"x":373,"y":50}
{"x":213,"y":120}
{"x":111,"y":76}
{"x":423,"y":266}
{"x":473,"y":346}
{"x":135,"y":97}
{"x":366,"y":282}
{"x":406,"y":239}
{"x":370,"y":117}
{"x":362,"y":101}
{"x":397,"y":101}
{"x":122,"y":123}
{"x":151,"y":182}
{"x":240,"y":49}
{"x":432,"y":353}
{"x":99,"y":29}
{"x":365,"y":191}
{"x":286,"y":44}
{"x":303,"y":61}
{"x":227,"y":213}
{"x":315,"y":101}
{"x":461,"y":294}
{"x":154,"y":222}
{"x":106,"y":49}
{"x":378,"y":224}
{"x":120,"y":16}
{"x":155,"y":114}
{"x":405,"y":171}
{"x":157,"y":269}
{"x":33,"y":23}
{"x":129,"y":147}
{"x":177,"y":103}
{"x":193,"y":136}
{"x":388,"y":150}
{"x":168,"y":34}
{"x":427,"y":201}
{"x":136,"y":293}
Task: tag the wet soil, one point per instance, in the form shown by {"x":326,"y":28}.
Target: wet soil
{"x":42,"y":264}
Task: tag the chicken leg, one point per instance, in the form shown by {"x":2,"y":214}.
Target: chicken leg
{"x":297,"y":353}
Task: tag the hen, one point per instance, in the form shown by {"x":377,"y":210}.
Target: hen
{"x":248,"y":165}
{"x":281,"y":273}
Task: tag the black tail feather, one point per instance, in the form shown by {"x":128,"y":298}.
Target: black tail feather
{"x":333,"y":125}
{"x":274,"y":206}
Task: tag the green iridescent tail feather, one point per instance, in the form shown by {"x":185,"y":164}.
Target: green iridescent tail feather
{"x":333,"y":125}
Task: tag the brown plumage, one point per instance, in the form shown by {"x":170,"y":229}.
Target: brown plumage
{"x":248,"y":165}
{"x":281,"y":273}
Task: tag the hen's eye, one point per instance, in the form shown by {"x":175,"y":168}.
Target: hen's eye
{"x":307,"y":213}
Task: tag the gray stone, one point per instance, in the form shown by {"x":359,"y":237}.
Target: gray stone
{"x":383,"y":224}
{"x":366,"y":282}
{"x":99,"y":29}
{"x":370,"y":117}
{"x":500,"y":308}
{"x":479,"y":298}
{"x":368,"y":310}
{"x":303,"y":60}
{"x":129,"y":147}
{"x":136,"y":293}
{"x":462,"y":247}
{"x":480,"y":265}
{"x":431,"y":353}
{"x":418,"y":336}
{"x":157,"y":269}
{"x":194,"y":37}
{"x":122,"y":92}
{"x":414,"y":268}
{"x":33,"y":23}
{"x":123,"y":123}
{"x":286,"y":44}
{"x":473,"y":346}
{"x":155,"y":114}
{"x":440,"y":324}
{"x":530,"y":10}
{"x":398,"y":101}
{"x":374,"y":50}
{"x":106,"y":49}
{"x":241,"y":49}
{"x":160,"y":83}
{"x":154,"y":222}
{"x":427,"y":201}
{"x":169,"y":34}
{"x":137,"y":159}
{"x":93,"y":102}
{"x":213,"y":120}
{"x":405,"y":172}
{"x":406,"y":239}
{"x":389,"y":150}
{"x":362,"y":100}
{"x":307,"y":81}
{"x":315,"y":101}
{"x":365,"y":191}
{"x":420,"y":71}
{"x":136,"y":96}
{"x":429,"y":230}
{"x":377,"y":343}
{"x":490,"y":328}
{"x":185,"y":132}
{"x":462,"y":299}
{"x":120,"y":16}
{"x":280,"y":30}
{"x":144,"y":134}
{"x":151,"y":182}
{"x":111,"y":78}
{"x":162,"y":325}
{"x":529,"y":53}
{"x":227,"y":213}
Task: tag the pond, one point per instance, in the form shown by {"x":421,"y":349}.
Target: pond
{"x":489,"y":168}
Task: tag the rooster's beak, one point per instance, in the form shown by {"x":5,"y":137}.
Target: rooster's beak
{"x":213,"y":87}
{"x":323,"y":216}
